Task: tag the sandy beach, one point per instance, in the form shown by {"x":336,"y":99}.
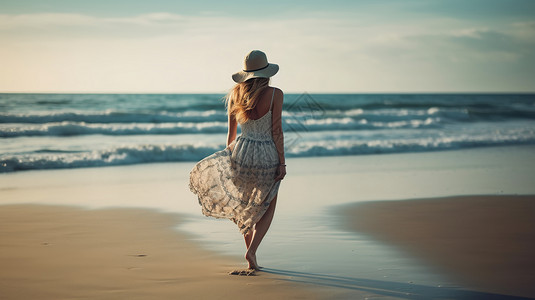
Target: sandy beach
{"x":137,"y":232}
{"x":51,"y":252}
{"x":485,"y":242}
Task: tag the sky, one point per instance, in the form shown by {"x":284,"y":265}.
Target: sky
{"x":174,"y":46}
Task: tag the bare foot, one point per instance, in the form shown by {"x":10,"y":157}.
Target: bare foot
{"x":251,"y":259}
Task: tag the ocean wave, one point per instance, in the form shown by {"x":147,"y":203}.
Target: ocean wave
{"x":50,"y":158}
{"x":126,"y":155}
{"x":430,"y":143}
{"x":47,"y":131}
{"x":73,"y":129}
{"x":109,"y":116}
{"x":357,"y":124}
{"x":289,"y":124}
{"x":431,"y":118}
{"x":377,"y":113}
{"x":208,"y":122}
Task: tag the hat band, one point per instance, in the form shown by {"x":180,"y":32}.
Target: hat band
{"x":257,"y":69}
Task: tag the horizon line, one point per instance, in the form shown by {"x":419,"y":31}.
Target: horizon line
{"x":290,"y":92}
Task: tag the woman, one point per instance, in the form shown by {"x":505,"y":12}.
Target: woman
{"x":241,"y":182}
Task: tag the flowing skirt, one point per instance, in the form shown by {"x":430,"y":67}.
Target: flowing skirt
{"x":237,"y":183}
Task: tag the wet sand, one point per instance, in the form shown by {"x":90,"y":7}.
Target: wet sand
{"x":53,"y":252}
{"x":485,"y":242}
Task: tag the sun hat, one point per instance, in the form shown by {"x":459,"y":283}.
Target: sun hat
{"x":255,"y":65}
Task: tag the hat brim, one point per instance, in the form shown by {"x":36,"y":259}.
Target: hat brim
{"x":269,"y":71}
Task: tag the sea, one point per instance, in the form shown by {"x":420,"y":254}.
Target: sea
{"x":58,"y":131}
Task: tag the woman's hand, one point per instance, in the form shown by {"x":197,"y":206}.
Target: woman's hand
{"x":281,"y":172}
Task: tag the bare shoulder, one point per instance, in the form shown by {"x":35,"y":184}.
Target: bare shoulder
{"x":278,"y":95}
{"x":278,"y":91}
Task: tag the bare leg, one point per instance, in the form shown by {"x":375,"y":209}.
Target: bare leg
{"x":260,"y":230}
{"x":248,"y":237}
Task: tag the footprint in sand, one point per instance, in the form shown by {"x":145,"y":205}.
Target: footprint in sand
{"x":246,"y":272}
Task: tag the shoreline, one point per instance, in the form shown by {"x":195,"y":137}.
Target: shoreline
{"x":53,"y":252}
{"x":484,"y":242}
{"x":290,"y":157}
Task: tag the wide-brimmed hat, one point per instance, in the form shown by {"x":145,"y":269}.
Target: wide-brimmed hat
{"x":255,"y":65}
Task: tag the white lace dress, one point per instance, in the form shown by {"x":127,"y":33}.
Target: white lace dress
{"x":238,"y":182}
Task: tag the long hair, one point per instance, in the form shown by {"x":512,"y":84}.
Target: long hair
{"x":243,"y":97}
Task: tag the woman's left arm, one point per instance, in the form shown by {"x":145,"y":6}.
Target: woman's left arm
{"x":232,"y":129}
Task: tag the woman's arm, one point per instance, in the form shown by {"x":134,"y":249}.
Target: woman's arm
{"x":232,"y":129}
{"x":278,"y":136}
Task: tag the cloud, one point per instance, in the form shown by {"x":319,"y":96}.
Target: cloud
{"x":79,"y":25}
{"x":165,"y":52}
{"x":485,"y":45}
{"x":22,"y":21}
{"x":26,"y":21}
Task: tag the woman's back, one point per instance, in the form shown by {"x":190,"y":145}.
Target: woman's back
{"x":260,"y":128}
{"x":263,"y":105}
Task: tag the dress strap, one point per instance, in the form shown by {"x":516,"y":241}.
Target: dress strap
{"x":273,"y":95}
